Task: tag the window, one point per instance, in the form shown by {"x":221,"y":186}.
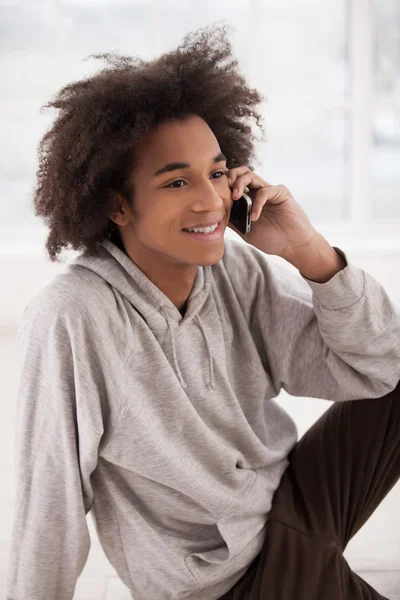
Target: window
{"x":386,"y":114}
{"x":330,"y":72}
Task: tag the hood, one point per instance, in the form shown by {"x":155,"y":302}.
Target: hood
{"x":157,"y":310}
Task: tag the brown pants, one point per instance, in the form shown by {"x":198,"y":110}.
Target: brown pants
{"x":339,"y":472}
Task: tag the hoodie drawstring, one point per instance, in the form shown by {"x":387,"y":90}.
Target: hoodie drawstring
{"x":211,"y":382}
{"x":210,"y":356}
{"x":176,"y":365}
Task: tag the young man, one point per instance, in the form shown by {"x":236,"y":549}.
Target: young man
{"x":150,"y":367}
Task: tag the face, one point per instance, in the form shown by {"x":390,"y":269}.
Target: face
{"x":170,"y":198}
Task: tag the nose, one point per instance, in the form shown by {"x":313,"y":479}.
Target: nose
{"x":208,"y":199}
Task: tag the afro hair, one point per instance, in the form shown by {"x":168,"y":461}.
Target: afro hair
{"x":89,"y":152}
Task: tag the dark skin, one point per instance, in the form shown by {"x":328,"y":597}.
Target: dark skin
{"x":153,"y":236}
{"x":199,"y":194}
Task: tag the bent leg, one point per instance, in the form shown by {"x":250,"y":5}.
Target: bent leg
{"x":339,"y":473}
{"x":342,"y":468}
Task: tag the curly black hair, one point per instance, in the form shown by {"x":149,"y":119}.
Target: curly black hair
{"x":88,"y":153}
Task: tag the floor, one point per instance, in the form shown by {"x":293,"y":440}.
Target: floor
{"x":386,"y":582}
{"x":374,"y":553}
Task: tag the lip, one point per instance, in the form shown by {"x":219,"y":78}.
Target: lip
{"x":207,"y":238}
{"x":207,"y":224}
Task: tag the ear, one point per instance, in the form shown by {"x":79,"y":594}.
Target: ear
{"x":119,"y":209}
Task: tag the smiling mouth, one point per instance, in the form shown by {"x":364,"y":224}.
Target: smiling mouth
{"x":207,"y":234}
{"x":206,"y":228}
{"x":209,"y":229}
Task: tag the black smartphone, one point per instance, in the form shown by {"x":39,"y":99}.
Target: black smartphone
{"x":241,"y":213}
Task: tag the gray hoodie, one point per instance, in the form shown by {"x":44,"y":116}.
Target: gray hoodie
{"x":166,"y":427}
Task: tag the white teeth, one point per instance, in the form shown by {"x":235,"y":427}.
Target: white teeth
{"x":204,"y":229}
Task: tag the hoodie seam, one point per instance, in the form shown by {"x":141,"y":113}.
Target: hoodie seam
{"x":100,"y":342}
{"x":124,"y":408}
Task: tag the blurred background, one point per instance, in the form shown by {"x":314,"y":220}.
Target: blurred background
{"x":330,"y":70}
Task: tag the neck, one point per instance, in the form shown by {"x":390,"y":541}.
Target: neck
{"x":174,"y":283}
{"x":174,"y":280}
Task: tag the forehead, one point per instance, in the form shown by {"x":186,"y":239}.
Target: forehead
{"x":190,"y":141}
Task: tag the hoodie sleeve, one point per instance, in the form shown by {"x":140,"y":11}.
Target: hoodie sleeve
{"x":58,"y":429}
{"x":338,"y":340}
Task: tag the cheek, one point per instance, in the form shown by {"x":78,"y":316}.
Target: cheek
{"x":157,"y":225}
{"x":168,"y":215}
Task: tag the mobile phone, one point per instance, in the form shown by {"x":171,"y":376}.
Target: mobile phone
{"x":241,"y":213}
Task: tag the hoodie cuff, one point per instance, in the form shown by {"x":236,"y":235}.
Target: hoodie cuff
{"x":343,"y":290}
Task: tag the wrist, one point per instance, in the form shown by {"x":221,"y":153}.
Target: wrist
{"x":317,"y":260}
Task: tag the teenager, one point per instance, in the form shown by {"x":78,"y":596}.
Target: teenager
{"x":150,"y":366}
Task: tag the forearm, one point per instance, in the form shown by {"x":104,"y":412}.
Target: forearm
{"x":317,"y":261}
{"x":338,"y":343}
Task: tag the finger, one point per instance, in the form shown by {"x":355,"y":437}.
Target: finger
{"x":260,"y":201}
{"x":241,"y":183}
{"x":249,"y":180}
{"x":274,"y":194}
{"x":236,"y":172}
{"x":239,"y":195}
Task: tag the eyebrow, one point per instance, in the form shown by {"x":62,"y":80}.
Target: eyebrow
{"x":181,"y":165}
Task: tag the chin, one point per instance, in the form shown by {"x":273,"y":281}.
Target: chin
{"x":212,"y":258}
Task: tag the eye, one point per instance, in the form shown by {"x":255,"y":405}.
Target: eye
{"x":170,"y":185}
{"x":220,"y":173}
